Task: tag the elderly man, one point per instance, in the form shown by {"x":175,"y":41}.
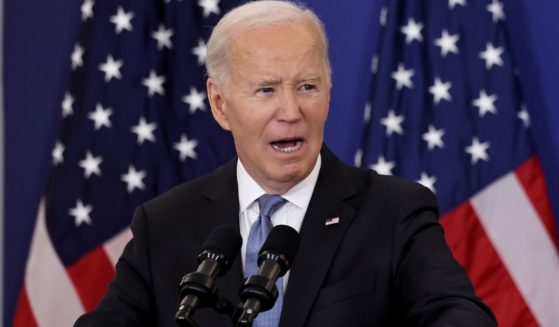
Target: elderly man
{"x":371,"y":251}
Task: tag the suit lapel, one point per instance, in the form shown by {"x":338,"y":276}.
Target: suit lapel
{"x":319,"y":240}
{"x":223,"y":209}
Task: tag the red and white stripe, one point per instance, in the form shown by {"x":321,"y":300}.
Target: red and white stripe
{"x":55,"y":295}
{"x":505,"y":237}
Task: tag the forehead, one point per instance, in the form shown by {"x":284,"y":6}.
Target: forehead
{"x":286,"y":44}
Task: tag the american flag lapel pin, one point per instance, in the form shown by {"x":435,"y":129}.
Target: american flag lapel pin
{"x":331,"y":221}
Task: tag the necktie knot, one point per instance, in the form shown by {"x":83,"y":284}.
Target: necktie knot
{"x":269,"y":204}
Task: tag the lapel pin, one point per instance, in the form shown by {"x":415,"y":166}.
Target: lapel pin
{"x":331,"y":221}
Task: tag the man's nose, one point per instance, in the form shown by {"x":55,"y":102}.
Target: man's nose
{"x":289,"y":107}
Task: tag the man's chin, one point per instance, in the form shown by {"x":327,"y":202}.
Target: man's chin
{"x":289,"y":175}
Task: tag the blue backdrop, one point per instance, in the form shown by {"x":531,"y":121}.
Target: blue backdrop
{"x":39,"y":37}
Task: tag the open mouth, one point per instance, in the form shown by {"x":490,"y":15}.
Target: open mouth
{"x":287,"y":145}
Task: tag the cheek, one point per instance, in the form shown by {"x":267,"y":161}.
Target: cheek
{"x":247,"y":126}
{"x":319,"y":115}
{"x":235,"y":113}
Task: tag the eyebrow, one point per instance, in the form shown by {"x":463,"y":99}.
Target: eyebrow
{"x":315,"y":79}
{"x":268,"y":82}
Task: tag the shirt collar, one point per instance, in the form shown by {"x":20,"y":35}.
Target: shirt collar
{"x":299,"y":195}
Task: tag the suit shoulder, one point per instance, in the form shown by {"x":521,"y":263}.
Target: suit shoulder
{"x":390,"y":186}
{"x":399,"y":185}
{"x":401,"y":193}
{"x":189,"y":194}
{"x":179,"y":192}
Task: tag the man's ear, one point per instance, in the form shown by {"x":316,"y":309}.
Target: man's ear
{"x":217,"y":103}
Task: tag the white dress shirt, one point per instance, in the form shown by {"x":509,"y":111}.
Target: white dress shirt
{"x":291,"y":213}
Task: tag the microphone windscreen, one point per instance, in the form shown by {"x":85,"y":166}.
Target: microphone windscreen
{"x":282,"y":239}
{"x":224,"y":240}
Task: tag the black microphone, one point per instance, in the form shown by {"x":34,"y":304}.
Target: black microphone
{"x":197,"y":288}
{"x":259,"y":293}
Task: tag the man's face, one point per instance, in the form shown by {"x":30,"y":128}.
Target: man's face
{"x":275,"y":103}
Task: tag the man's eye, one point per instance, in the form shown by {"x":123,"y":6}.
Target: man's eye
{"x":308,"y":87}
{"x":266,"y":90}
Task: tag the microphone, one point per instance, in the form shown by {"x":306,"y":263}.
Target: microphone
{"x":197,"y":288}
{"x":259,"y":293}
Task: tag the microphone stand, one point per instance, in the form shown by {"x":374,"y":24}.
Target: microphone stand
{"x":258,"y":294}
{"x":240,"y":316}
{"x":210,"y":300}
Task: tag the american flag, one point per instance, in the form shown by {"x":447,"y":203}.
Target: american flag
{"x":134,"y":122}
{"x":446,"y":110}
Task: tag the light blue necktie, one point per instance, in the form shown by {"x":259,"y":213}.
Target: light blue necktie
{"x":268,"y":204}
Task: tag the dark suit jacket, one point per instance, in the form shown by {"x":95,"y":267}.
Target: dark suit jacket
{"x":385,"y":263}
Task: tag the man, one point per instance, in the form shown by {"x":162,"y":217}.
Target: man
{"x":371,"y":251}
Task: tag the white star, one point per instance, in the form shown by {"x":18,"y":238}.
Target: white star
{"x":393,"y":123}
{"x":524,"y":116}
{"x":58,"y":153}
{"x":485,"y":103}
{"x":77,"y":57}
{"x":492,"y":56}
{"x":440,"y":90}
{"x":195,"y":100}
{"x":144,"y":130}
{"x":447,"y":42}
{"x":186,"y":147}
{"x":383,"y":167}
{"x":209,"y":6}
{"x":87,"y":9}
{"x":434,"y":137}
{"x":154,"y":83}
{"x":90,"y":165}
{"x":67,"y":104}
{"x":111,"y":68}
{"x":478,"y":150}
{"x":81,"y":213}
{"x":403,"y":77}
{"x":201,"y":50}
{"x":133,"y":179}
{"x":163,"y":37}
{"x":496,"y":9}
{"x":101,"y":116}
{"x":427,"y":181}
{"x":383,"y":16}
{"x":452,"y":3}
{"x":412,"y":31}
{"x":122,"y":20}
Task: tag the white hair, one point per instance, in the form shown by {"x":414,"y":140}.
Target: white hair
{"x":258,"y":14}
